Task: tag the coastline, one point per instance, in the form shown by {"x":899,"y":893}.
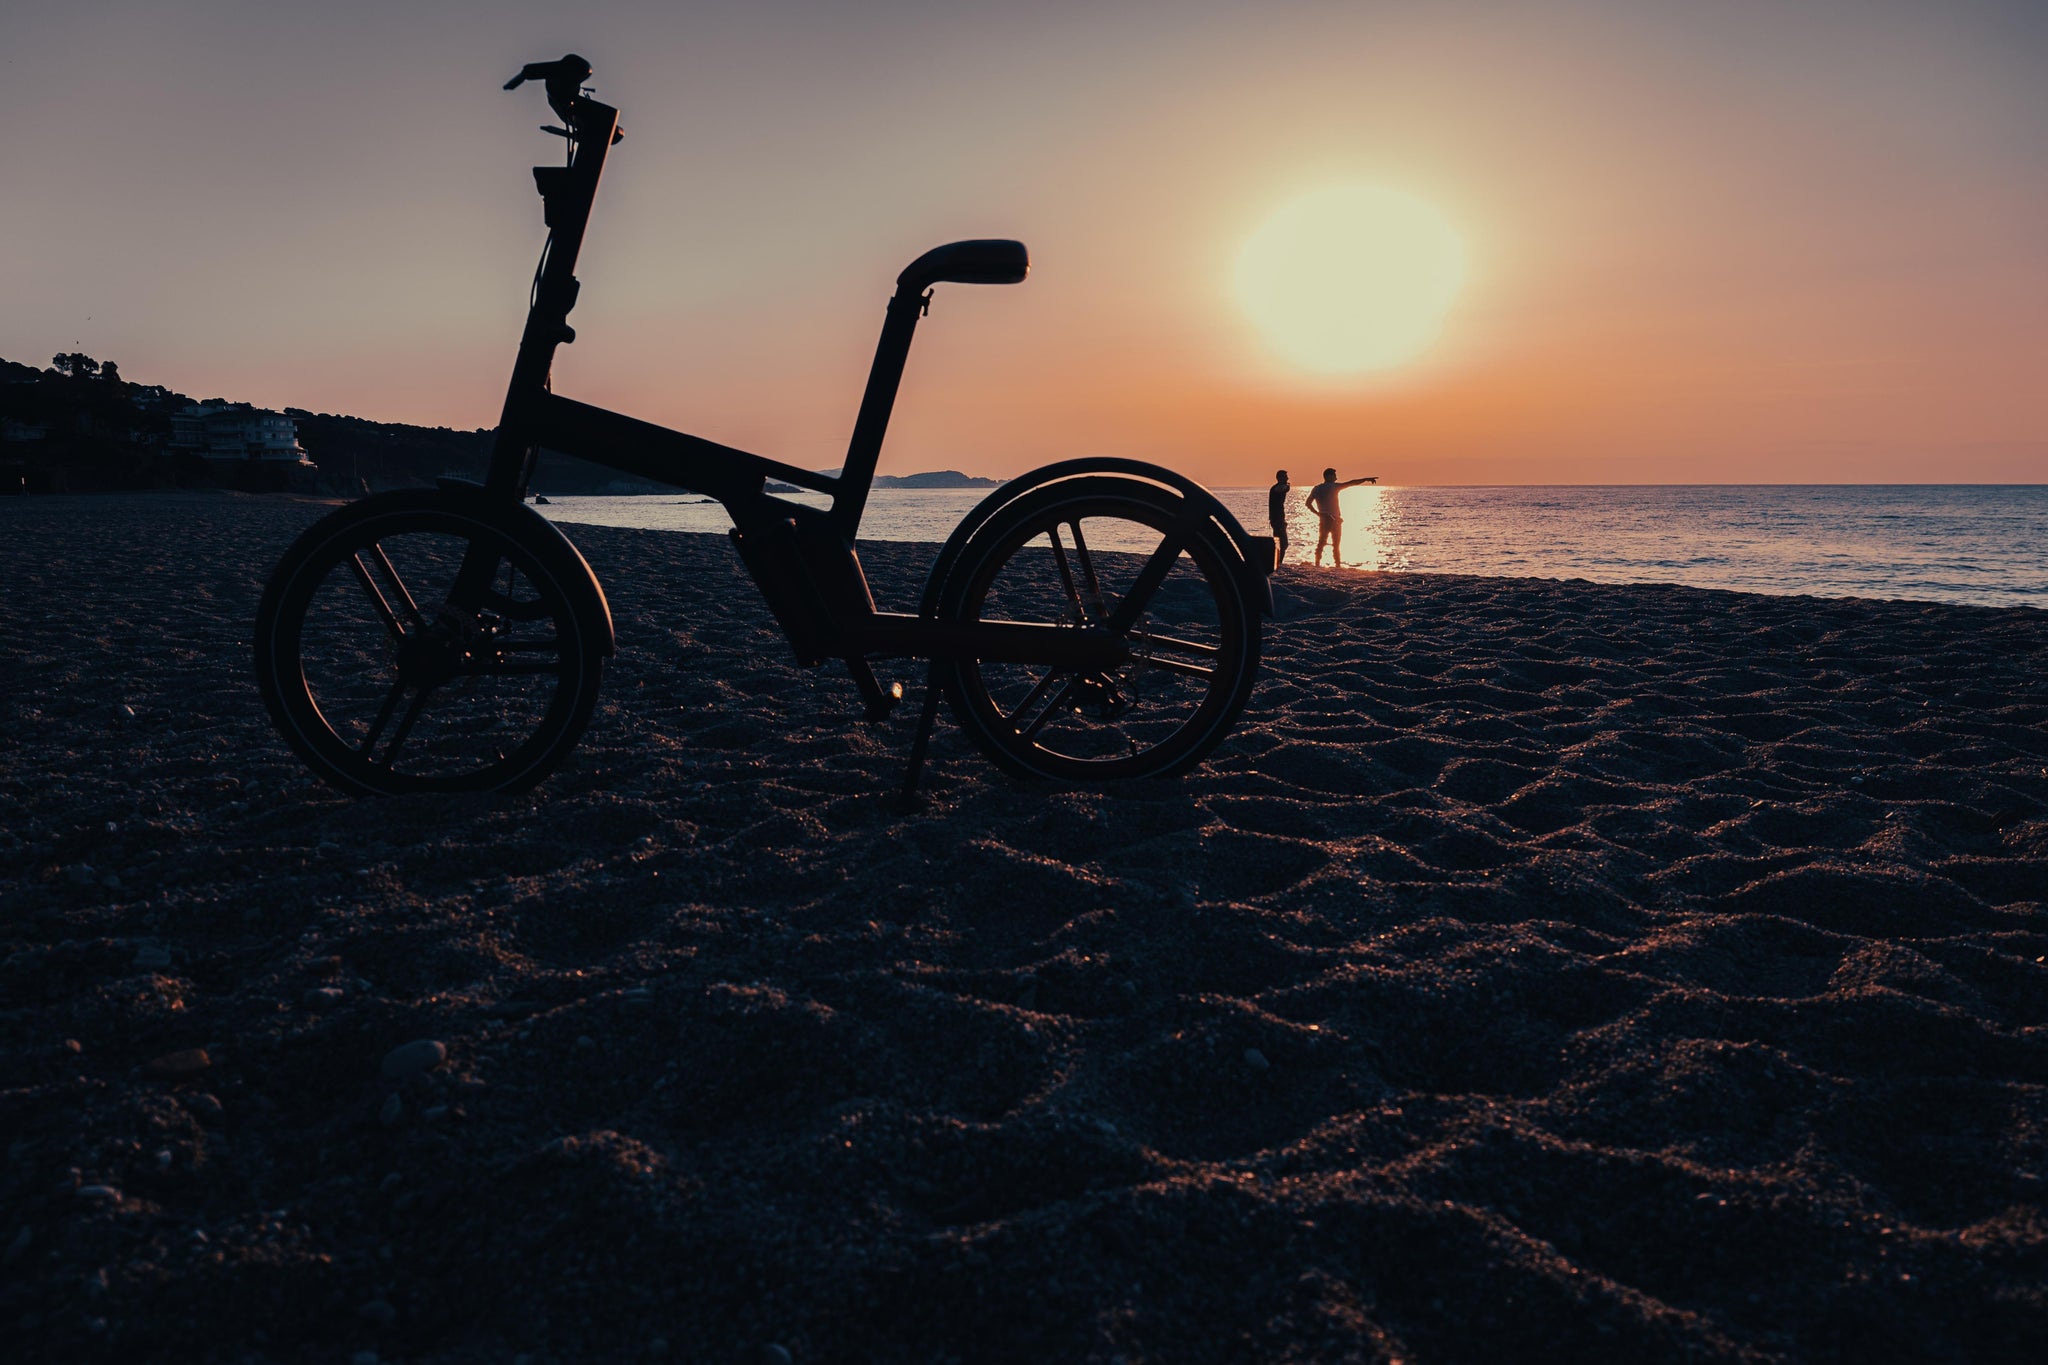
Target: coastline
{"x":1544,"y":969}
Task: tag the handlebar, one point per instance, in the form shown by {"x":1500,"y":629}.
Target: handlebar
{"x":564,"y":80}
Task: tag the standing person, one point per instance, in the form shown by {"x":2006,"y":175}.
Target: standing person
{"x":1276,"y":512}
{"x":1322,"y":500}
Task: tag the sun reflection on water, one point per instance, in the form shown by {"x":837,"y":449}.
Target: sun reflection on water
{"x":1371,"y":526}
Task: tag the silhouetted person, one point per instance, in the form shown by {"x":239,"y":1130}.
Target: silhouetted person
{"x":1276,"y":512}
{"x":1322,"y":499}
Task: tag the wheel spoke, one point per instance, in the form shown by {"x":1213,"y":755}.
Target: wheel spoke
{"x":1059,"y":555}
{"x":1185,"y":646}
{"x":1088,"y":576}
{"x":1036,"y":695}
{"x":383,"y":718}
{"x":535,"y":610}
{"x":1146,"y":584}
{"x":1175,"y":666}
{"x":398,"y":736}
{"x":1047,"y":714}
{"x":412,"y":610}
{"x":377,"y":601}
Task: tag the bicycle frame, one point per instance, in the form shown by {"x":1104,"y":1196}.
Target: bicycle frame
{"x":803,"y":559}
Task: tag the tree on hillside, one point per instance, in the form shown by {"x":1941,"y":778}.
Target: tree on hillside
{"x":75,"y":365}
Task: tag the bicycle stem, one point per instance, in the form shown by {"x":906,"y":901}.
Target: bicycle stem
{"x":568,"y":193}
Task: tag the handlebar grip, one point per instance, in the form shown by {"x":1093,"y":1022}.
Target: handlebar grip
{"x":564,"y":79}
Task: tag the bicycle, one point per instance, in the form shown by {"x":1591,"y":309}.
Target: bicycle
{"x":453,"y":639}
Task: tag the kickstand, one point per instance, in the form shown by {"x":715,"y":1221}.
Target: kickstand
{"x":922,"y":741}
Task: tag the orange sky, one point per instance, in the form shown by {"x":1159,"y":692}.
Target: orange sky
{"x":1741,"y":242}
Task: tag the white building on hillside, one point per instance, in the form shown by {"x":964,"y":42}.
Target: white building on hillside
{"x":236,"y":431}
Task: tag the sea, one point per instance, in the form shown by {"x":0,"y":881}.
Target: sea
{"x":1982,"y":544}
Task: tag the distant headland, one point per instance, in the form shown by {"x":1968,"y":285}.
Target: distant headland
{"x":932,"y":478}
{"x":81,"y":426}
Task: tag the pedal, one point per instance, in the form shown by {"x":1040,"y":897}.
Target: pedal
{"x":879,"y":702}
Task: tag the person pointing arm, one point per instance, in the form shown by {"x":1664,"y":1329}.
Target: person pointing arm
{"x":1322,"y":500}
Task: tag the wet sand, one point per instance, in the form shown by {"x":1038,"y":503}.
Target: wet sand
{"x":1543,"y":971}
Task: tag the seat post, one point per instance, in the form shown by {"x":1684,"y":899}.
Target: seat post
{"x":864,"y":450}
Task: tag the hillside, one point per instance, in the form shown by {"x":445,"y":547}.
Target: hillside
{"x":81,"y":427}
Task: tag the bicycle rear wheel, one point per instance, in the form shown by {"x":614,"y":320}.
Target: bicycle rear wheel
{"x":1117,"y":554}
{"x":388,"y":670}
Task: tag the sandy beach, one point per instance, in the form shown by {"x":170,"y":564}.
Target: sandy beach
{"x":1543,"y":971}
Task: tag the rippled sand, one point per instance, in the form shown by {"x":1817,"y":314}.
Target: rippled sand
{"x":1544,"y":971}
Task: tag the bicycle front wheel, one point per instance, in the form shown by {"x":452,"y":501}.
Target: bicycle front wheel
{"x":1116,"y":554}
{"x":391,"y":668}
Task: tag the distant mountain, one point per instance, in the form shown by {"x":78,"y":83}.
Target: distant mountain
{"x":931,"y":478}
{"x":936,"y":478}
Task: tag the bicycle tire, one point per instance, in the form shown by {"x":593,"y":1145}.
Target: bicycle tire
{"x":314,"y":657}
{"x":1080,"y":734}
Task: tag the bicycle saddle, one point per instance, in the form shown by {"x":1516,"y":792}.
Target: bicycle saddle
{"x":982,"y":261}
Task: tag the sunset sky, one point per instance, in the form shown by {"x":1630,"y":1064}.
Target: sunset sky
{"x":1736,"y":242}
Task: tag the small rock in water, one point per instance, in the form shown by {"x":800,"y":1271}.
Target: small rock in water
{"x":1256,"y":1059}
{"x":204,"y":1107}
{"x":173,"y":1066}
{"x":80,"y":874}
{"x":393,"y":1110}
{"x":379,"y":1312}
{"x":774,"y":1353}
{"x":99,"y":1194}
{"x":152,"y":957}
{"x":407,"y":1059}
{"x":320,"y":997}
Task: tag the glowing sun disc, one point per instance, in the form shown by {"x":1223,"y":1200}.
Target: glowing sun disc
{"x":1350,"y":278}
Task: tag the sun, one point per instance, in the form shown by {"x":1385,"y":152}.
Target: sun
{"x":1351,"y":278}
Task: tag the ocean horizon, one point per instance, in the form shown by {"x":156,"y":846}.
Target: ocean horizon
{"x":1977,"y":544}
